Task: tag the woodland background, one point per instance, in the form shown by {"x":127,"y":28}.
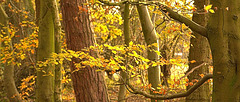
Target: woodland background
{"x":134,"y":51}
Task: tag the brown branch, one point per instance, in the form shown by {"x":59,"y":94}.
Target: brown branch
{"x":191,"y":24}
{"x":174,"y":15}
{"x":112,"y":3}
{"x":178,"y":95}
{"x":189,"y":72}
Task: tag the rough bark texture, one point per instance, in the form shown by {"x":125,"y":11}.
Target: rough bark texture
{"x":200,"y":52}
{"x":45,"y":74}
{"x":89,"y":85}
{"x":150,"y":37}
{"x":224,"y":38}
{"x":9,"y":83}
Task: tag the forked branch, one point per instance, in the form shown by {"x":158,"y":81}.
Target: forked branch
{"x":191,"y":24}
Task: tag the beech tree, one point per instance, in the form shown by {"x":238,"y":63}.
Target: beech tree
{"x":199,"y":53}
{"x":122,"y":88}
{"x":45,"y":74}
{"x":222,"y":33}
{"x":223,"y":36}
{"x":9,"y":82}
{"x":150,"y":37}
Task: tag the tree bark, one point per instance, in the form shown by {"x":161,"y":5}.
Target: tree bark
{"x":224,"y":38}
{"x":122,"y":88}
{"x":58,"y":68}
{"x":8,"y":71}
{"x":150,"y":37}
{"x":45,"y":74}
{"x":200,"y":52}
{"x":89,"y":85}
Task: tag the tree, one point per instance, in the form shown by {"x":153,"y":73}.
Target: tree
{"x":150,"y":37}
{"x":223,"y":34}
{"x":200,"y":52}
{"x":58,"y":68}
{"x":122,"y":88}
{"x":45,"y":74}
{"x":88,"y":84}
{"x":9,"y":82}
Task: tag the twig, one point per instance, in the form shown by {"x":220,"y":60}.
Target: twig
{"x":189,"y":72}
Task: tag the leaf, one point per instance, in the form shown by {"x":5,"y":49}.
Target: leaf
{"x":201,"y":75}
{"x":155,"y":44}
{"x":193,"y":61}
{"x":211,"y":11}
{"x":208,"y":7}
{"x":24,"y":21}
{"x":130,"y":43}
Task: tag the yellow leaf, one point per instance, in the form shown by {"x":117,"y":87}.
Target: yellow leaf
{"x":130,"y":43}
{"x":211,"y":11}
{"x":24,"y":21}
{"x":208,"y":7}
{"x":155,"y":44}
{"x":115,"y":52}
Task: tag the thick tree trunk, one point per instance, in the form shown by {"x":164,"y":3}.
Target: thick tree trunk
{"x":150,"y":37}
{"x":45,"y":74}
{"x":89,"y":85}
{"x":224,"y":38}
{"x":8,"y":72}
{"x":200,"y":52}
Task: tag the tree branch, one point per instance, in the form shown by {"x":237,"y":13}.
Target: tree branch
{"x":191,"y":24}
{"x":161,"y":97}
{"x":174,"y":15}
{"x":189,"y":72}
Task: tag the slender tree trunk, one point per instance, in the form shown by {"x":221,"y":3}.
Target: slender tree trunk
{"x":150,"y":37}
{"x":8,"y":72}
{"x":58,"y":68}
{"x":45,"y":74}
{"x":122,"y":88}
{"x":224,"y":38}
{"x":37,"y":13}
{"x":200,"y":52}
{"x":89,"y":85}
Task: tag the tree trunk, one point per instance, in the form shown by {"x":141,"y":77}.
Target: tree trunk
{"x":150,"y":37}
{"x":122,"y":88}
{"x":89,"y":85}
{"x":58,"y":68}
{"x":8,"y":72}
{"x":224,"y":34}
{"x":200,"y":52}
{"x":45,"y":74}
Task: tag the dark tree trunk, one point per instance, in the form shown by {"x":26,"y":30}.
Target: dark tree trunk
{"x":89,"y":85}
{"x":200,"y":52}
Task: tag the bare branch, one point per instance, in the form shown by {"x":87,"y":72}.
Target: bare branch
{"x":161,"y":97}
{"x":189,"y":72}
{"x":191,"y":24}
